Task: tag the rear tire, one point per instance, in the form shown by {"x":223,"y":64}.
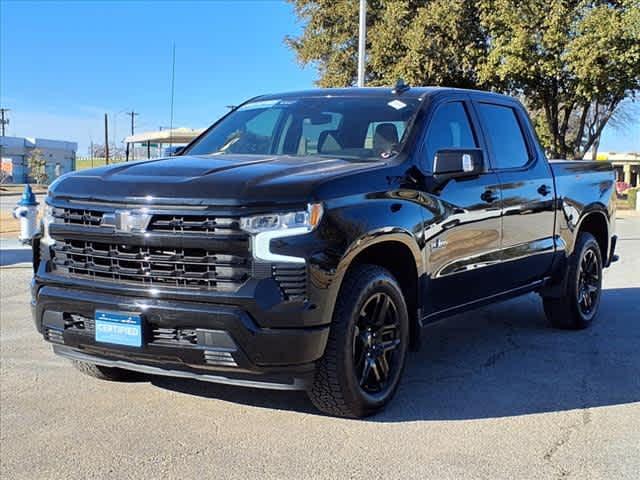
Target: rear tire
{"x":579,"y":304}
{"x":367,"y":346}
{"x":107,"y":373}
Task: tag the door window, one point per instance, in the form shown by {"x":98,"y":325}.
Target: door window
{"x":505,"y":135}
{"x":449,"y":128}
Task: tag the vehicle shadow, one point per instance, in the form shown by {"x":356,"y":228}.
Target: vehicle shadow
{"x":498,"y":361}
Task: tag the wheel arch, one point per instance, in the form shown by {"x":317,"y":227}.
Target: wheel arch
{"x":596,"y":222}
{"x":400,"y":254}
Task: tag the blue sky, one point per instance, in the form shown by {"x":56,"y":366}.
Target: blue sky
{"x":64,"y":64}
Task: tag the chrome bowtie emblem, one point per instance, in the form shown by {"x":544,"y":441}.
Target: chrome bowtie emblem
{"x":133,"y":221}
{"x":438,"y":244}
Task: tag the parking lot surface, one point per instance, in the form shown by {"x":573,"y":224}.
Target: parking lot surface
{"x":493,"y":394}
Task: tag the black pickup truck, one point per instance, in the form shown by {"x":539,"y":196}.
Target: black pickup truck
{"x":304,"y":239}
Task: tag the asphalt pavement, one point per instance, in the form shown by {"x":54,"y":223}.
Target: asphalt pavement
{"x":493,"y":394}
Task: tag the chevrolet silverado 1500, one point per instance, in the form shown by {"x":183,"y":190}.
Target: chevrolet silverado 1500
{"x":304,"y":239}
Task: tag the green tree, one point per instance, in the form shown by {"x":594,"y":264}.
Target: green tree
{"x":37,"y":166}
{"x":434,"y":42}
{"x":572,"y":62}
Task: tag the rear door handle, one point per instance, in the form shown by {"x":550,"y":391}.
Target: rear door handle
{"x":489,"y":196}
{"x":544,"y":190}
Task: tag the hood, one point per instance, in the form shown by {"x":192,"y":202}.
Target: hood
{"x":213,"y":180}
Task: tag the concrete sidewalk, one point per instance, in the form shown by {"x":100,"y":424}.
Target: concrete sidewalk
{"x":14,"y":254}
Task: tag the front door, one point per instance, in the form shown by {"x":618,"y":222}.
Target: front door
{"x":463,"y":236}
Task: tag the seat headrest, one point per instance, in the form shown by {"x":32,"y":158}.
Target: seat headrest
{"x":328,"y":141}
{"x":385,"y":137}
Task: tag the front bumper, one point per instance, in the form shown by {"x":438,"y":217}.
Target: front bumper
{"x":226,"y":345}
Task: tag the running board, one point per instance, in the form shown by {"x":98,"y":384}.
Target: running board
{"x":514,"y":292}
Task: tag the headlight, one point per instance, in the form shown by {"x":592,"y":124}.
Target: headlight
{"x":277,"y":225}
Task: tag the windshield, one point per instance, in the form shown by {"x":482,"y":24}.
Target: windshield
{"x":347,"y":127}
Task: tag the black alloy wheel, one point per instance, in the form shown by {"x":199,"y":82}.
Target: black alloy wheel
{"x":589,"y":281}
{"x":577,"y":304}
{"x":375,"y":341}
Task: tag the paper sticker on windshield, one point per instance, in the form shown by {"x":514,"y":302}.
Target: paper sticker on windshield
{"x":397,"y":104}
{"x":259,"y":104}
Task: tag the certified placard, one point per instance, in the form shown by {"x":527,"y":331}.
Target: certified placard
{"x":119,"y":328}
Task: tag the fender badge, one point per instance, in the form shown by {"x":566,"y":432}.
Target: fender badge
{"x":439,"y":243}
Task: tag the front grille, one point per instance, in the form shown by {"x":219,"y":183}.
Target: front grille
{"x":78,"y":216}
{"x":196,"y":225}
{"x":151,"y":266}
{"x":204,"y":225}
{"x":178,"y":249}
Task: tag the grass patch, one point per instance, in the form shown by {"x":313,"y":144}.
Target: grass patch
{"x":84,"y":163}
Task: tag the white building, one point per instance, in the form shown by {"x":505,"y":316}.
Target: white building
{"x":626,"y":165}
{"x":60,"y":157}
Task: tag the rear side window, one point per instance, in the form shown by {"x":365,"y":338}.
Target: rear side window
{"x":449,"y":128}
{"x":505,"y":135}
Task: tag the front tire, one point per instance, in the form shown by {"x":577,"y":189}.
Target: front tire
{"x":107,"y":373}
{"x":367,"y":346}
{"x":579,"y":304}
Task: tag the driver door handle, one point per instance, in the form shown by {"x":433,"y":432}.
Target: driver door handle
{"x":489,"y":196}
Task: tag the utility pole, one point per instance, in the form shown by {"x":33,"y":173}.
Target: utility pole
{"x":4,"y":121}
{"x":132,"y":114}
{"x":362,"y":42}
{"x":106,"y":139}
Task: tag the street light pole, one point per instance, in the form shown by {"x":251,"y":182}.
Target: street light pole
{"x":106,"y":139}
{"x":362,"y":42}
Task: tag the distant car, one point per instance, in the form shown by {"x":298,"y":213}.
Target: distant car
{"x":622,"y":187}
{"x":305,"y":238}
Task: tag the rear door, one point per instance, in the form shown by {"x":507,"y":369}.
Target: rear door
{"x":527,"y":187}
{"x":463,"y":241}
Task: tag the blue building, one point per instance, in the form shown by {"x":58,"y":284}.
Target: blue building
{"x":60,"y":158}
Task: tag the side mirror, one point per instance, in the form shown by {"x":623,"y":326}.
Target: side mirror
{"x":457,"y":163}
{"x":177,"y":151}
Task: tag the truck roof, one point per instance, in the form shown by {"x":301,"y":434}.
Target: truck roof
{"x":411,"y":92}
